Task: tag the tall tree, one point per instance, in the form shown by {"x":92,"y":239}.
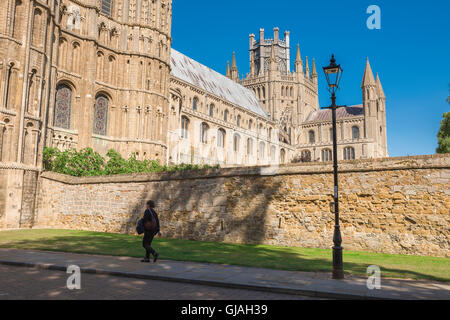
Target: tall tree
{"x":444,"y":133}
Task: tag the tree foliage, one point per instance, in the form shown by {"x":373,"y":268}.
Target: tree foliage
{"x":444,"y":135}
{"x":448,"y":98}
{"x":87,"y":162}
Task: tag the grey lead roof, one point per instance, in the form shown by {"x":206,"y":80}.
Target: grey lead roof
{"x":344,"y":112}
{"x":213,"y":82}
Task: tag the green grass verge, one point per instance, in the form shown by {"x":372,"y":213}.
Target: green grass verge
{"x":262,"y":256}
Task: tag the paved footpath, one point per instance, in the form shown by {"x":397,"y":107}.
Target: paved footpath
{"x":275,"y":281}
{"x":18,"y":283}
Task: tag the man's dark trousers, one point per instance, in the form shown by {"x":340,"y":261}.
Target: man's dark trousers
{"x":147,"y":243}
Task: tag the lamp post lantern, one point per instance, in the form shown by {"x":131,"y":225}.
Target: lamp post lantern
{"x":333,"y":74}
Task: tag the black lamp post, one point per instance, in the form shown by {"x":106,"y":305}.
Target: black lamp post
{"x":333,"y":74}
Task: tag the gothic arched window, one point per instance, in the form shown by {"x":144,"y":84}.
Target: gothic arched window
{"x":194,"y":104}
{"x":355,"y":133}
{"x":236,"y":142}
{"x":349,"y":153}
{"x":249,"y":146}
{"x":101,"y":115}
{"x":184,"y":127}
{"x":326,"y":155}
{"x":63,"y":106}
{"x":225,"y":116}
{"x":262,"y":146}
{"x":107,"y":6}
{"x":312,"y":137}
{"x":204,"y":133}
{"x":221,"y":138}
{"x":282,"y":156}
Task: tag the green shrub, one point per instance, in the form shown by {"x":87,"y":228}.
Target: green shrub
{"x":87,"y":162}
{"x":75,"y":163}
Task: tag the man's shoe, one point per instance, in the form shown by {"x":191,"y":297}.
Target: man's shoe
{"x":155,"y":257}
{"x":145,"y":260}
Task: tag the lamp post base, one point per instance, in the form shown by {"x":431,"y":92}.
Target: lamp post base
{"x":338,"y":270}
{"x":338,"y":274}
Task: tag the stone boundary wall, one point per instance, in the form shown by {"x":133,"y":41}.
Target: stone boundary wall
{"x":391,"y":205}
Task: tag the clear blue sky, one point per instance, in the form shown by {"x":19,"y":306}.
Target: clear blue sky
{"x":411,"y":52}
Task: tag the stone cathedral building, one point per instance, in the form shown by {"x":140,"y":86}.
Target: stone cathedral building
{"x":103,"y":74}
{"x":290,"y":99}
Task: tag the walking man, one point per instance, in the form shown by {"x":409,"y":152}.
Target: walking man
{"x":151,"y":226}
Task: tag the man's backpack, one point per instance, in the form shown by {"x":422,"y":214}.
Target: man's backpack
{"x":150,"y":225}
{"x":140,"y":227}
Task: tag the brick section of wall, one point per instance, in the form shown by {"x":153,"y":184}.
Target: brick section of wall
{"x":396,"y":205}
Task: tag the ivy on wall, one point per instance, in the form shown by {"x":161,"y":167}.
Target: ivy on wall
{"x":87,"y":162}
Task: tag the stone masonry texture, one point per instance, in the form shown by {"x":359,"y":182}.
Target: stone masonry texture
{"x":392,"y":205}
{"x":28,"y":198}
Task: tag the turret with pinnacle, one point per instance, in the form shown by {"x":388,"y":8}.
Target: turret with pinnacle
{"x":287,"y":96}
{"x":234,"y":70}
{"x":298,"y":61}
{"x":314,"y":72}
{"x":307,"y":68}
{"x":374,"y":101}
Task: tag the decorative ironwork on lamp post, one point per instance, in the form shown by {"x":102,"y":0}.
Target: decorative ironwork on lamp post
{"x":333,"y":74}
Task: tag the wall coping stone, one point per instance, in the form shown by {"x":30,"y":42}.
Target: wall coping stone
{"x":437,"y":161}
{"x":17,"y":166}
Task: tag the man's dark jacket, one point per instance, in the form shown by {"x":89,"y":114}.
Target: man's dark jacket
{"x":149,"y":215}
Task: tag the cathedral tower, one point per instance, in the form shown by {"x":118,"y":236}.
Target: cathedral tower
{"x":288,"y":97}
{"x":260,"y":52}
